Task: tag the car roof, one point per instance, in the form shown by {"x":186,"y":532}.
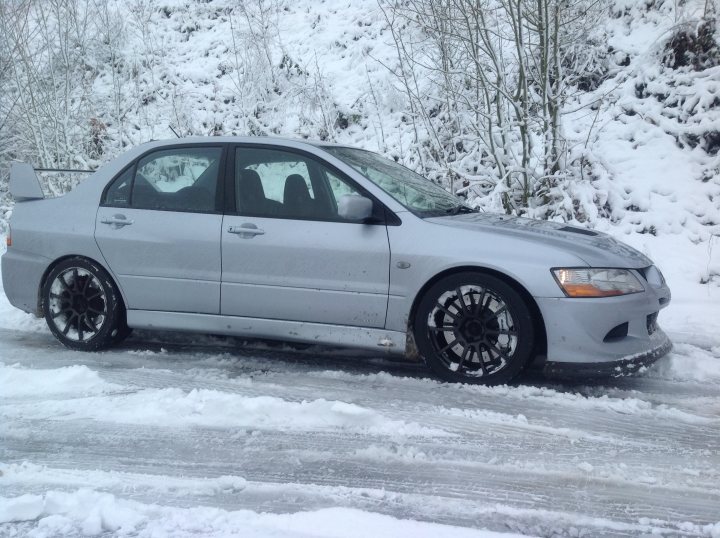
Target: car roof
{"x":273,"y":140}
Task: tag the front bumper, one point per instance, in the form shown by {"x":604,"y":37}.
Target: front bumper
{"x":617,"y":368}
{"x":600,"y":335}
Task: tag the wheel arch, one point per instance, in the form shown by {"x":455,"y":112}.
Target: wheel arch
{"x":540,"y":345}
{"x":56,"y":262}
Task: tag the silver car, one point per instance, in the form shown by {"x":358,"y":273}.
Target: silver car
{"x":320,"y":243}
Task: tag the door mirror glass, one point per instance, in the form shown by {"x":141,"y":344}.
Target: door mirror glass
{"x":354,"y":207}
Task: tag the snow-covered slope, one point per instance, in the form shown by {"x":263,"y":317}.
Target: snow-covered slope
{"x":200,"y":64}
{"x":645,"y":134}
{"x":651,"y":130}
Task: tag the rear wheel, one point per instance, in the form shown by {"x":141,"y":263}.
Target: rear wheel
{"x":474,"y":328}
{"x":83,"y":307}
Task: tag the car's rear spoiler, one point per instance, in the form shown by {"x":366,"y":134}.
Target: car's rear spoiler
{"x":24,"y":183}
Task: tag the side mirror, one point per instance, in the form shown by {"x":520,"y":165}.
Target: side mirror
{"x":354,"y":207}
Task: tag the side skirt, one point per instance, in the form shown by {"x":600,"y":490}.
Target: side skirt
{"x":291,"y":331}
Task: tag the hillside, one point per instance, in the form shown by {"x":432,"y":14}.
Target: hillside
{"x":640,"y":126}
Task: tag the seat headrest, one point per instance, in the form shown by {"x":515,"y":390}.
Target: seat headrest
{"x":295,"y":188}
{"x":250,"y":186}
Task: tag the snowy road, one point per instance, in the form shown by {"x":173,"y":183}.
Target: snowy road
{"x":212,"y":424}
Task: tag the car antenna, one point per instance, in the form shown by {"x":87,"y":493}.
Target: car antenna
{"x":174,"y":131}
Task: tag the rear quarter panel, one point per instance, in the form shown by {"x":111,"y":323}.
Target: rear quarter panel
{"x":44,"y":231}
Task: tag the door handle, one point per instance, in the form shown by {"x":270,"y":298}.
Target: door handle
{"x":117,"y":220}
{"x":246,"y":230}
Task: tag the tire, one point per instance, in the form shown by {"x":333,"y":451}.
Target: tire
{"x":474,"y":328}
{"x":83,"y":307}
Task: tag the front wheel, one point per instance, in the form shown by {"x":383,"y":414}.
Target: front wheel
{"x":474,"y":328}
{"x":82,"y":306}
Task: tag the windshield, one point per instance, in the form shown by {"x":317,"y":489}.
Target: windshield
{"x":416,"y":193}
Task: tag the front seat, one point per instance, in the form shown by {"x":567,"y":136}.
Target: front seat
{"x":193,"y":198}
{"x":296,"y":197}
{"x":250,"y":193}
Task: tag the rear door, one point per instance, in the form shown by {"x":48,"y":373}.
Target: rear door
{"x":286,"y":253}
{"x":159,"y":229}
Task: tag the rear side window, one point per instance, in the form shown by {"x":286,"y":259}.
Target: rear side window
{"x":181,"y":179}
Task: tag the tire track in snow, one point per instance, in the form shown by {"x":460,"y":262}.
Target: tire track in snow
{"x":287,"y":469}
{"x":525,"y":458}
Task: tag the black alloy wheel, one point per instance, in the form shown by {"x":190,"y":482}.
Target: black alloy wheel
{"x":474,"y":328}
{"x":82,"y":306}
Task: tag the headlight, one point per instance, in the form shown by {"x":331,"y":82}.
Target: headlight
{"x":597,"y":282}
{"x":654,"y":277}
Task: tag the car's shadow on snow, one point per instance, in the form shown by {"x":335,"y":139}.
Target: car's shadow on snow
{"x":262,"y":357}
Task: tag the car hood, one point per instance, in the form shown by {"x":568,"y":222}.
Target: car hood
{"x":594,"y":248}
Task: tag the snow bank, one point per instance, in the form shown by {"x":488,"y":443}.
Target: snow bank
{"x":174,"y":407}
{"x":31,"y":476}
{"x":16,"y":381}
{"x":690,"y":363}
{"x":687,"y":362}
{"x":89,"y":512}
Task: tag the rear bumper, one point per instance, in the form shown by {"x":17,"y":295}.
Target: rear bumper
{"x":21,"y":276}
{"x":617,"y":368}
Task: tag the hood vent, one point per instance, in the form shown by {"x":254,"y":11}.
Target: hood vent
{"x":581,"y":231}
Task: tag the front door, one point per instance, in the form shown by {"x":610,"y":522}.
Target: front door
{"x":286,"y":253}
{"x":159,"y":230}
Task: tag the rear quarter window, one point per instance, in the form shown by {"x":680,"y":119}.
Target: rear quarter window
{"x":118,"y":194}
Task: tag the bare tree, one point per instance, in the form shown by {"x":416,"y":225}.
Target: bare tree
{"x":48,"y":78}
{"x":256,"y":66}
{"x":500,"y":72}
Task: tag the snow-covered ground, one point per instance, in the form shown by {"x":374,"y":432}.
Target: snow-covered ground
{"x":172,"y":435}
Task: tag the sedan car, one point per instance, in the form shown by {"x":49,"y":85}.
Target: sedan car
{"x":321,"y":243}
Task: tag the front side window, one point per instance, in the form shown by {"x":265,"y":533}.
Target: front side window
{"x":273,"y":176}
{"x":281,"y":184}
{"x":180,"y":179}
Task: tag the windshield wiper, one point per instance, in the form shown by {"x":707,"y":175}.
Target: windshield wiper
{"x":460,"y":209}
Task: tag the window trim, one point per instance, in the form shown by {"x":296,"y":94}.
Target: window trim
{"x":219,"y":189}
{"x":385,"y":217}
